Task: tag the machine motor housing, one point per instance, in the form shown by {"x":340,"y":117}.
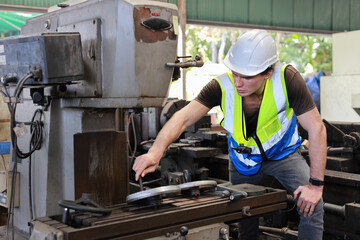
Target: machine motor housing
{"x":58,"y":56}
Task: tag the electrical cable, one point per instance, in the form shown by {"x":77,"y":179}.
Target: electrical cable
{"x":2,"y":92}
{"x":12,"y":109}
{"x":35,"y":127}
{"x":35,"y":144}
{"x":36,"y":135}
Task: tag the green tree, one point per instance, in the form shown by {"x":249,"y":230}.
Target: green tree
{"x":202,"y":40}
{"x":306,"y":51}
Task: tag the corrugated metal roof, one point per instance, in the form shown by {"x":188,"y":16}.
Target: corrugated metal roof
{"x":32,"y":3}
{"x":317,"y":16}
{"x":11,"y":22}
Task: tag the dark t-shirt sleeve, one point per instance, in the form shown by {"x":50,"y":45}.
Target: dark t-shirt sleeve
{"x":299,"y":95}
{"x":210,"y":95}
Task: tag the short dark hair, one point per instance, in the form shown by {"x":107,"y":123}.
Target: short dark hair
{"x":267,"y":70}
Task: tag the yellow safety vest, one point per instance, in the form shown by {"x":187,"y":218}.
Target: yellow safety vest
{"x":276,"y":130}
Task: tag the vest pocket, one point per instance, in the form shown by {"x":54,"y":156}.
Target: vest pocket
{"x":269,"y":129}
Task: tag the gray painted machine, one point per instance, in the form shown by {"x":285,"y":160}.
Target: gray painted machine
{"x":125,"y":46}
{"x":74,"y":79}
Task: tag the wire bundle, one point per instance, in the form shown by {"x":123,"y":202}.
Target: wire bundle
{"x":36,"y":126}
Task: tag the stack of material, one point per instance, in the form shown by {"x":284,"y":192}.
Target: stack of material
{"x":4,"y":158}
{"x":4,"y":135}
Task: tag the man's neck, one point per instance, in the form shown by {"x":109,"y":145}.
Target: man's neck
{"x":251,"y":103}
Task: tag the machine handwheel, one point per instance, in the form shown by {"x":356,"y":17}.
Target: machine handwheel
{"x":84,"y":204}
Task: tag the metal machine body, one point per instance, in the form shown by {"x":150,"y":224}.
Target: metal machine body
{"x":124,"y":56}
{"x":124,"y":61}
{"x":43,"y":53}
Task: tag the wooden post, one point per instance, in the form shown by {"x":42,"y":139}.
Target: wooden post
{"x":182,"y":16}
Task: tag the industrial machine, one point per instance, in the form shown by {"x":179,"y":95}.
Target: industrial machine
{"x":89,"y":82}
{"x":84,"y":81}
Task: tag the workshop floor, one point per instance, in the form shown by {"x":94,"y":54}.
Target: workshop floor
{"x":17,"y":235}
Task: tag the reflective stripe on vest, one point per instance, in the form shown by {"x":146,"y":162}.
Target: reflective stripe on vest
{"x":276,"y":127}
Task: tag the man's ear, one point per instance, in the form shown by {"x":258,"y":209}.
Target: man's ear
{"x":269,"y":73}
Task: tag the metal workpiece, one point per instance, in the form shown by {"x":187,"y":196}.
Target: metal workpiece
{"x":195,"y":188}
{"x":124,"y":60}
{"x":156,"y":193}
{"x":198,"y":184}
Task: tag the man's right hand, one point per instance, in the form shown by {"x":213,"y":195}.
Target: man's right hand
{"x":181,"y":120}
{"x":144,"y":164}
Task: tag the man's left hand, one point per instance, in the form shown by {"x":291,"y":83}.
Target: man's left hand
{"x":308,"y":197}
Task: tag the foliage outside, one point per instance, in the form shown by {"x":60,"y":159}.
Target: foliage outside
{"x":308,"y":53}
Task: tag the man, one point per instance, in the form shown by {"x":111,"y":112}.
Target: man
{"x":262,"y":101}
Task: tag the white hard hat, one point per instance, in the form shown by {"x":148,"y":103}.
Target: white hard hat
{"x":252,"y":54}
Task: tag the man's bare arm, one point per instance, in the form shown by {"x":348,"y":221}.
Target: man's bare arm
{"x":311,"y":195}
{"x":181,"y":120}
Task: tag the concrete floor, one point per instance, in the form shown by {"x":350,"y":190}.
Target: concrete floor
{"x":17,"y":235}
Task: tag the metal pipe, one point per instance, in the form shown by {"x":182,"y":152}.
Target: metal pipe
{"x":284,"y":232}
{"x":334,"y":209}
{"x":190,"y":63}
{"x":328,"y":207}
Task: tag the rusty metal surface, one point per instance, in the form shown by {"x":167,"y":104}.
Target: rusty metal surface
{"x":342,"y":178}
{"x":352,"y":214}
{"x":101,"y":166}
{"x":342,"y":163}
{"x":128,"y":222}
{"x":146,"y":35}
{"x":90,"y":31}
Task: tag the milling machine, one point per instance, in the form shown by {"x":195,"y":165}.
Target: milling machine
{"x":78,"y":78}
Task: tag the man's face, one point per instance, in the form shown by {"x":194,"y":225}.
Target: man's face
{"x":247,"y":85}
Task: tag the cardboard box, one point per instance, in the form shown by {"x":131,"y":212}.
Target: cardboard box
{"x":4,"y":162}
{"x":5,"y":131}
{"x":4,"y":110}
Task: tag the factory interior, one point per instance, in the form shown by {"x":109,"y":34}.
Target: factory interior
{"x":87,"y":85}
